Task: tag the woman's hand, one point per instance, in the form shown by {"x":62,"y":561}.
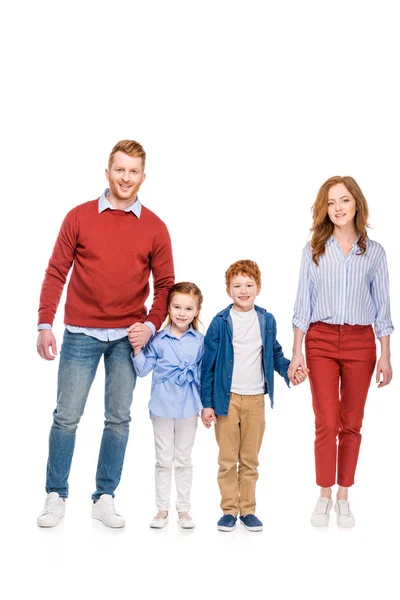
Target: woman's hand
{"x":384,"y":369}
{"x":297,"y":371}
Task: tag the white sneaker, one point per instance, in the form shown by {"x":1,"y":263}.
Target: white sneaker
{"x":104,"y":510}
{"x":345,"y":517}
{"x":320,"y":515}
{"x":53,"y":511}
{"x":160,"y":520}
{"x":185,"y":521}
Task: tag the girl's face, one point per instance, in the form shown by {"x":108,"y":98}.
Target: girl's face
{"x":341,"y":205}
{"x":182,"y":310}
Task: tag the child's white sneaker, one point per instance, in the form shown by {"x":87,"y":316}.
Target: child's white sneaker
{"x":345,"y":517}
{"x":53,"y":511}
{"x":104,"y":510}
{"x":160,"y":520}
{"x":320,"y":515}
{"x":185,"y":521}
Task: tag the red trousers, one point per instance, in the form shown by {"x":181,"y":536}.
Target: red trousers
{"x":341,"y":359}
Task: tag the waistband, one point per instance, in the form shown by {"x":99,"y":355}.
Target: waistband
{"x":333,"y":327}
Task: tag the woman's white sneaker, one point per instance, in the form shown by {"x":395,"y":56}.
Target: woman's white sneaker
{"x":345,"y":517}
{"x":104,"y":510}
{"x":53,"y":511}
{"x":320,"y":515}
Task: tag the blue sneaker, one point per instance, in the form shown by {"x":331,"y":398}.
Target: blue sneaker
{"x":226,"y":523}
{"x":251,"y":523}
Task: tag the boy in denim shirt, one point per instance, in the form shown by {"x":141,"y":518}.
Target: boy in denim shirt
{"x":241,"y":353}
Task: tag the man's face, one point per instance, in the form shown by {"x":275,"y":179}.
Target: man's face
{"x":125,"y":176}
{"x":243,"y":291}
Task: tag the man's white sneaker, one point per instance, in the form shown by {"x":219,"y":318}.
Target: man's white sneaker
{"x":345,"y":517}
{"x":160,"y":520}
{"x":104,"y":510}
{"x":53,"y":511}
{"x":320,"y":515}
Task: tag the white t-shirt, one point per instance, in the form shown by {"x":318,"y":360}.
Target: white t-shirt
{"x":248,"y":375}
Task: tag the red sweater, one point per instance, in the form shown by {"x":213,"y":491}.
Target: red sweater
{"x":113,"y":254}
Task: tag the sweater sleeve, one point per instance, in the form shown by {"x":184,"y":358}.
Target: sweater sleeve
{"x":58,"y":268}
{"x":162,"y":267}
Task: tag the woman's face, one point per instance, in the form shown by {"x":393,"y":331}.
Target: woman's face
{"x":341,"y":205}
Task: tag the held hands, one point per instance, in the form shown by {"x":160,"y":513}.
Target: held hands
{"x":384,"y":369}
{"x":208,"y":416}
{"x":297,"y":371}
{"x":139,"y":334}
{"x":45,"y":342}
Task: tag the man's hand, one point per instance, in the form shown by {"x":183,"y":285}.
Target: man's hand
{"x":45,"y":342}
{"x":139,"y":334}
{"x":383,"y":368}
{"x":208,"y":416}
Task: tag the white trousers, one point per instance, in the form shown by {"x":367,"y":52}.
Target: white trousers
{"x":174,"y":439}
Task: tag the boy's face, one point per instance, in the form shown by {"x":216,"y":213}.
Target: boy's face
{"x":243,"y":291}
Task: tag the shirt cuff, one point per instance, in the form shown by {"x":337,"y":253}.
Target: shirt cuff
{"x":139,"y":360}
{"x":43,"y":326}
{"x":152,"y":327}
{"x":385,"y":331}
{"x":297,"y":323}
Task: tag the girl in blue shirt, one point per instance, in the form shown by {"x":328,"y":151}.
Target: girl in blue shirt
{"x":174,"y":355}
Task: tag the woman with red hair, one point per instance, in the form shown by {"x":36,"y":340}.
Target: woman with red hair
{"x":343,"y":290}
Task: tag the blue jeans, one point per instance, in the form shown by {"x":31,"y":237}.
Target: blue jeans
{"x":79,"y":358}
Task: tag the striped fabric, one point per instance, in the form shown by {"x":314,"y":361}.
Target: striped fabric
{"x":352,"y":289}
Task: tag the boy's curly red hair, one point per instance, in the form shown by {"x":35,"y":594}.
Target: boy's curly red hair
{"x":249,"y":268}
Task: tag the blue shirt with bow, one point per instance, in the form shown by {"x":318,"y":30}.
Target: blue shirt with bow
{"x":176,"y":365}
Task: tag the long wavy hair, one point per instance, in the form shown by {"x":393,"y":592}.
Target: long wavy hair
{"x":186,"y":287}
{"x":322,"y":228}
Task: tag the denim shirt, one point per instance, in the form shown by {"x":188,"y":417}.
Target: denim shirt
{"x":176,"y":363}
{"x":217,"y":365}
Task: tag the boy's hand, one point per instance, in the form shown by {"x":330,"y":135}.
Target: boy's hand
{"x":136,"y":351}
{"x":296,"y":367}
{"x":208,"y":416}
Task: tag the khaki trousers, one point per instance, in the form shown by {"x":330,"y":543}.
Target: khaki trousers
{"x":239,"y":437}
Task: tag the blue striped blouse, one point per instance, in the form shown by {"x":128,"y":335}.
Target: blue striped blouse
{"x":352,"y":289}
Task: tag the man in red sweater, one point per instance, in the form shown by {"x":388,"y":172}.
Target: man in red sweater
{"x":113,"y":244}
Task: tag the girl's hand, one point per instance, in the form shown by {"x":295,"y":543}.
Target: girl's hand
{"x":383,"y":368}
{"x":297,"y":365}
{"x":208,"y":416}
{"x":137,"y":351}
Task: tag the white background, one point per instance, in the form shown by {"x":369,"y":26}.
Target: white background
{"x":244,"y":109}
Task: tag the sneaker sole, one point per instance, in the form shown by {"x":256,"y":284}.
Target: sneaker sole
{"x":223,"y":528}
{"x":319,"y":524}
{"x":107,"y":525}
{"x":256,"y":528}
{"x":346,"y":526}
{"x":46,"y":526}
{"x":188,"y":526}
